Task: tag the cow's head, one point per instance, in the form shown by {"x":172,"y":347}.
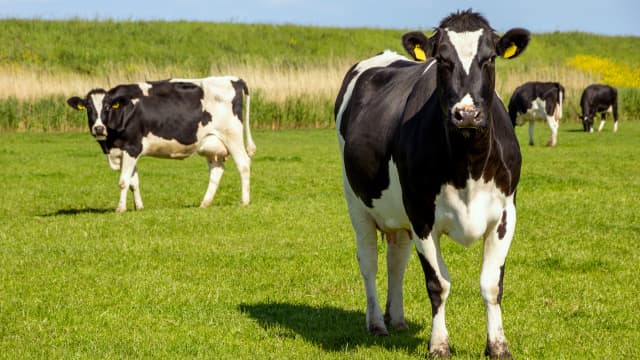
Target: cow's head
{"x":119,"y":105}
{"x":465,"y":47}
{"x":93,"y":104}
{"x":587,"y":122}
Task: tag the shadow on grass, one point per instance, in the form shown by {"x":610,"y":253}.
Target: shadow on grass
{"x":330,"y":328}
{"x":64,"y":212}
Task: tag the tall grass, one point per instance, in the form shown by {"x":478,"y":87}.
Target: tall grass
{"x":294,"y":72}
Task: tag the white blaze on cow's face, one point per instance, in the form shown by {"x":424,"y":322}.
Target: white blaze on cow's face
{"x":466,"y":46}
{"x":98,"y":128}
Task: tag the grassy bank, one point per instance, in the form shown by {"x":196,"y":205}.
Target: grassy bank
{"x":279,"y":278}
{"x":294,"y":70}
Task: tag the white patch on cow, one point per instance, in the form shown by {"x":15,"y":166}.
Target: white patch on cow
{"x":466,"y":101}
{"x":388,"y":211}
{"x":382,"y":60}
{"x":144,"y":87}
{"x":538,"y":108}
{"x":466,"y":45}
{"x":153,"y":145}
{"x":467,"y":214}
{"x":114,"y":157}
{"x":97,"y":100}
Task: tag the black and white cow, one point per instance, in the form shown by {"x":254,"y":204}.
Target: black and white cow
{"x":597,"y":98}
{"x":539,"y":100}
{"x":172,"y":119}
{"x":428,"y":150}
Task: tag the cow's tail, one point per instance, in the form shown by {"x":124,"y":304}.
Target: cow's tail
{"x":250,"y":145}
{"x":558,"y":113}
{"x":513,"y":111}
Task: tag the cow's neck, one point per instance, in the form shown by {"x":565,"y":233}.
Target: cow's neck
{"x":470,"y":150}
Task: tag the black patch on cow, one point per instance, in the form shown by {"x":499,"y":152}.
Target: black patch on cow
{"x":500,"y":285}
{"x":367,"y":131}
{"x":172,"y":111}
{"x":597,"y":98}
{"x":502,"y":228}
{"x":524,"y":95}
{"x":240,"y":87}
{"x":434,"y":288}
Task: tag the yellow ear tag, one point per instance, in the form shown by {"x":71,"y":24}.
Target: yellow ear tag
{"x":511,"y":50}
{"x":419,"y":53}
{"x":80,"y":107}
{"x":115,"y":105}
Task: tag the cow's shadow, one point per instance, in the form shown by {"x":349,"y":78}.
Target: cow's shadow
{"x":330,"y":328}
{"x":65,"y":212}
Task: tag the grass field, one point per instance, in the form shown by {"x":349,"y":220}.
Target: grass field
{"x":279,"y":279}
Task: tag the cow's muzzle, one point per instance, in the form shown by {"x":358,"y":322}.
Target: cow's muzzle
{"x":100,"y":132}
{"x":467,"y":117}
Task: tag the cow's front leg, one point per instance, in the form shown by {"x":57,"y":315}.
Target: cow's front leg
{"x":398,"y":252}
{"x":496,"y":247}
{"x":603,"y":119}
{"x":531,"y":126}
{"x":438,"y":285}
{"x":126,"y":173}
{"x":135,"y":189}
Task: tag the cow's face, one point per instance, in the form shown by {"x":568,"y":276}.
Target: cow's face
{"x":93,"y":104}
{"x":465,"y":48}
{"x":587,"y":122}
{"x":119,"y":104}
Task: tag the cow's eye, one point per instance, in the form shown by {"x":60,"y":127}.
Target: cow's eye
{"x":489,"y":61}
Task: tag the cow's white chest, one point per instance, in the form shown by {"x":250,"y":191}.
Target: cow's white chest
{"x":466,"y":215}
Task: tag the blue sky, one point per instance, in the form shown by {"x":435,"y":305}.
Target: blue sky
{"x":613,"y":17}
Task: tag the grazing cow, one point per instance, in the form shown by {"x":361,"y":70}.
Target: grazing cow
{"x":172,"y":119}
{"x":540,"y":100}
{"x":428,"y":150}
{"x":597,"y":98}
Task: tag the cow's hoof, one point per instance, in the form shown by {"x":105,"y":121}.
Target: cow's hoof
{"x":396,"y":325}
{"x":205,"y":204}
{"x":440,"y":352}
{"x":377,"y":330}
{"x":498,"y":350}
{"x":121,"y":209}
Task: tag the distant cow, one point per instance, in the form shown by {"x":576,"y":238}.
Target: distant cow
{"x":595,"y":99}
{"x":540,"y":100}
{"x":428,"y":150}
{"x":172,"y":119}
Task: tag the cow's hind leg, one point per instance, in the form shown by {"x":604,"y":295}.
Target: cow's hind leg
{"x":236,"y":148}
{"x":438,"y":287}
{"x":398,"y":252}
{"x":127,"y":170}
{"x":496,"y":247}
{"x":215,"y":152}
{"x":135,"y":189}
{"x":367,"y":254}
{"x":553,"y":126}
{"x":531,"y":125}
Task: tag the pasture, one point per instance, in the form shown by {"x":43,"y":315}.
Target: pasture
{"x":279,"y":278}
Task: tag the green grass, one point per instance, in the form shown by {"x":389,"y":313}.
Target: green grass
{"x":279,"y":278}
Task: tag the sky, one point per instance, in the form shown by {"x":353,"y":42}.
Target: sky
{"x":612,"y":17}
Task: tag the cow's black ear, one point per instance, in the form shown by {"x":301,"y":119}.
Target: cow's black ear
{"x":513,"y":43}
{"x":417,"y":45}
{"x":77,"y":103}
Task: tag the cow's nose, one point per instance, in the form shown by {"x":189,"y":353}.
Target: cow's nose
{"x":99,"y":130}
{"x":468,"y":116}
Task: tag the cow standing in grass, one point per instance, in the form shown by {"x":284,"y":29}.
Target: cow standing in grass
{"x":539,"y":100}
{"x":597,"y":98}
{"x":428,"y":150}
{"x":172,"y":119}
